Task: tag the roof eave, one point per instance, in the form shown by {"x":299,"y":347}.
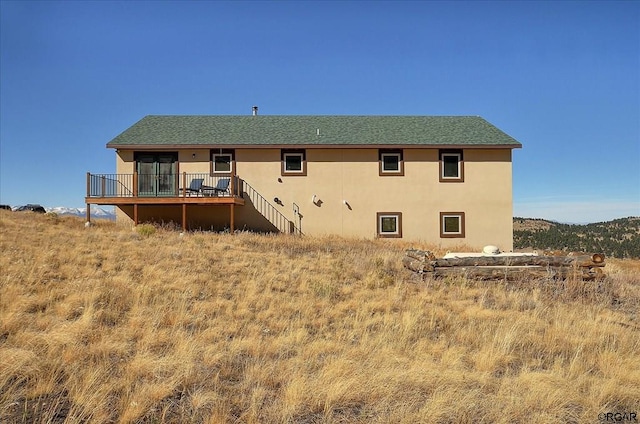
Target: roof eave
{"x":311,"y":146}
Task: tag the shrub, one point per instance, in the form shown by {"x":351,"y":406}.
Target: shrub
{"x":146,"y":230}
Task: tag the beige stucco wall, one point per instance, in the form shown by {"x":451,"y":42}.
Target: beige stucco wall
{"x":191,"y":160}
{"x":352,"y":175}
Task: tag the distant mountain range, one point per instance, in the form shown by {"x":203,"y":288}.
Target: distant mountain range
{"x":96,"y":212}
{"x":619,"y":238}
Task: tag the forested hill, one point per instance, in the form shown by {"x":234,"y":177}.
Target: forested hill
{"x":619,"y":238}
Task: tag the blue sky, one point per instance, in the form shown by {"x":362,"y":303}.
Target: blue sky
{"x":563,"y":78}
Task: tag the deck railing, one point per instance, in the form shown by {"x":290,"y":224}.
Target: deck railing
{"x":266,"y":209}
{"x":105,"y":186}
{"x":172,"y":185}
{"x":109,"y":185}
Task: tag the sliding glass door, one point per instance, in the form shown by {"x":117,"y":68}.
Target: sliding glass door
{"x":157,"y":174}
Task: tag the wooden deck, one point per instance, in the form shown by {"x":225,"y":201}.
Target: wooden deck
{"x":137,"y":190}
{"x":177,"y":200}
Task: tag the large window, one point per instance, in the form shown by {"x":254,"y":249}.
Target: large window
{"x":452,"y":224}
{"x":294,"y":162}
{"x":391,"y":162}
{"x":222,"y":161}
{"x":389,"y":224}
{"x":451,"y":166}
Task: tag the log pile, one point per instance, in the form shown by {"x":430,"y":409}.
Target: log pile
{"x":588,"y":267}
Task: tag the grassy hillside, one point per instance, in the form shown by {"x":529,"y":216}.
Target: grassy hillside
{"x":619,"y":238}
{"x":113,"y":325}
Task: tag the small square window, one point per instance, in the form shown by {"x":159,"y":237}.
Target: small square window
{"x":451,"y":166}
{"x":452,"y":224}
{"x":391,"y":162}
{"x":222,"y":163}
{"x":294,"y":162}
{"x":389,"y":224}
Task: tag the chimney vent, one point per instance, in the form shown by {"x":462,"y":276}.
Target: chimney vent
{"x":255,"y":110}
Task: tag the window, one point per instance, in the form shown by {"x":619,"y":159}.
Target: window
{"x":294,"y":162}
{"x":391,"y":162}
{"x":222,"y":161}
{"x":452,"y":224}
{"x":389,"y":224}
{"x":451,"y":166}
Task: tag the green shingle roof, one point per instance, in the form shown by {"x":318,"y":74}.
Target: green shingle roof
{"x":277,"y":130}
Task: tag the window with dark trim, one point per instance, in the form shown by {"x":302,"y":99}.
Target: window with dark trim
{"x":452,"y":224}
{"x":389,"y":224}
{"x":294,"y":162}
{"x":390,"y":162}
{"x":222,"y":161}
{"x":451,"y":166}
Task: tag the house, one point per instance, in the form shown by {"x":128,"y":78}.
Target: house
{"x":439,"y":179}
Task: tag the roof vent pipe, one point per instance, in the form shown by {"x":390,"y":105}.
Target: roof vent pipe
{"x":255,"y":110}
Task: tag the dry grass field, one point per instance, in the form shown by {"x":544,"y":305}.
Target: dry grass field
{"x":109,"y":324}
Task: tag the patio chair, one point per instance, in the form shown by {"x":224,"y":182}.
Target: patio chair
{"x":194,"y":187}
{"x":221,"y":187}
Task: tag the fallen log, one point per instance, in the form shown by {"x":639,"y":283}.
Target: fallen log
{"x":493,"y":273}
{"x":585,"y":266}
{"x":416,"y":265}
{"x":596,"y":258}
{"x":420,"y":254}
{"x":511,"y":273}
{"x":555,"y":261}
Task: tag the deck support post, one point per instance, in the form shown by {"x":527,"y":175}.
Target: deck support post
{"x":184,"y":217}
{"x":135,"y":214}
{"x":89,"y":213}
{"x":233,"y":210}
